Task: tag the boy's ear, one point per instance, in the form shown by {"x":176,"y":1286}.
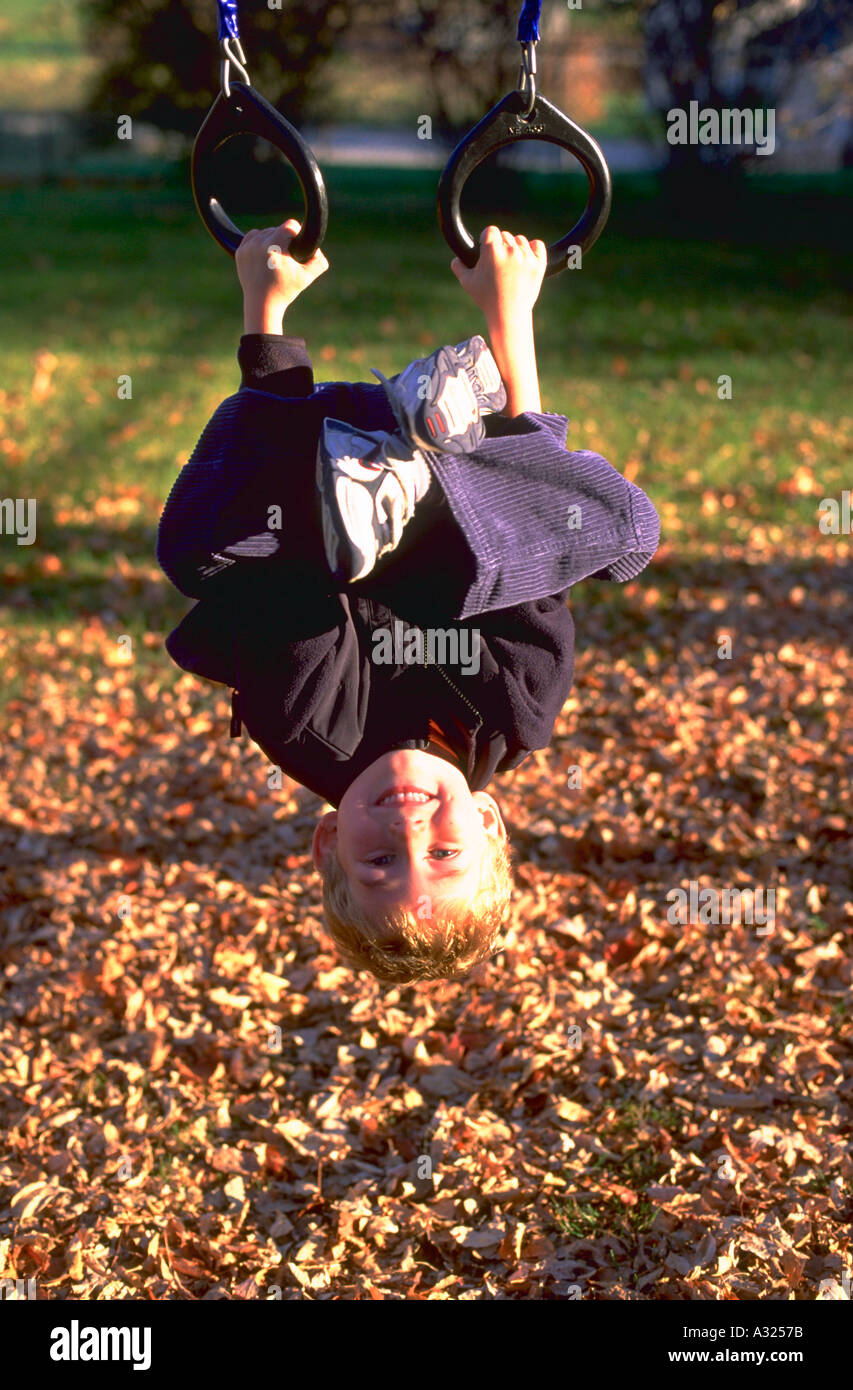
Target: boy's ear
{"x":490,"y":813}
{"x":325,"y":838}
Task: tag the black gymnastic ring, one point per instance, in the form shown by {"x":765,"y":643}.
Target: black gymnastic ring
{"x":504,"y":125}
{"x":246,"y":112}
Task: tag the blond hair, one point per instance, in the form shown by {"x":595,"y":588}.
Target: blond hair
{"x":400,"y":947}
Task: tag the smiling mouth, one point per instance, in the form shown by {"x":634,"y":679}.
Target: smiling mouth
{"x":404,"y":796}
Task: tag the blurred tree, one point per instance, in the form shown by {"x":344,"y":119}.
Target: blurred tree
{"x":469,"y":49}
{"x":159,"y":59}
{"x":471,"y":56}
{"x":737,"y":54}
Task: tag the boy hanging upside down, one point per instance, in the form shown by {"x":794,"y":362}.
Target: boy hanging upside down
{"x":382,"y":574}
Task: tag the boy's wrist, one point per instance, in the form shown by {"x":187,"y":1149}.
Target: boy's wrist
{"x":509,"y":321}
{"x":264,"y":315}
{"x":512,"y":342}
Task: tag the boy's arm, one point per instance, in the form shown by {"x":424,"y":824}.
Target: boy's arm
{"x":271,"y":360}
{"x":514,"y":351}
{"x":275,"y":362}
{"x":505,"y":284}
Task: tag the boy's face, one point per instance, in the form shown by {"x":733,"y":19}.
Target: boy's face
{"x":408,"y":828}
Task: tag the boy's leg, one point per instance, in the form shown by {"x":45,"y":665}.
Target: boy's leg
{"x":371,"y":482}
{"x":431,"y":570}
{"x":538,"y":518}
{"x":254,"y":530}
{"x":237,"y":505}
{"x":206,"y":535}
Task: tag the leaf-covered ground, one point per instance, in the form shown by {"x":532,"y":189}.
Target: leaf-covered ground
{"x":199,"y":1102}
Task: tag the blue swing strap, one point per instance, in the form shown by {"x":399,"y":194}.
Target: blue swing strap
{"x":231,"y":47}
{"x":528,"y":36}
{"x":228,"y":26}
{"x":528,"y":21}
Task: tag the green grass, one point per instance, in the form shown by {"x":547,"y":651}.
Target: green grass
{"x":636,"y":1167}
{"x":818,"y":1183}
{"x":123,"y":279}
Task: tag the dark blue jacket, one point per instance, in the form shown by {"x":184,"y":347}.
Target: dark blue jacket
{"x":493,"y":550}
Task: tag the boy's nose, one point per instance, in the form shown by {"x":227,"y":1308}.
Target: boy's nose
{"x":409,"y":824}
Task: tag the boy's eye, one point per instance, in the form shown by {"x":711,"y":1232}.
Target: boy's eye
{"x":382,"y":859}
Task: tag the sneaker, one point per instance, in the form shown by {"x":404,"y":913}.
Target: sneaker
{"x":438,"y":401}
{"x":369,"y":484}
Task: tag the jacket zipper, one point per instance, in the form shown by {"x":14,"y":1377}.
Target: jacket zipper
{"x":462,"y":697}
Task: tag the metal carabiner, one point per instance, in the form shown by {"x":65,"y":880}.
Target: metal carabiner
{"x":527,"y":77}
{"x":238,"y":60}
